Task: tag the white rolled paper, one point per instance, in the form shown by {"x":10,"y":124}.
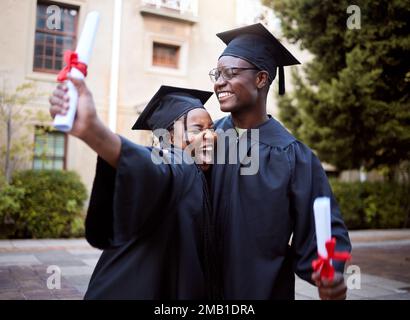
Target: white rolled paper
{"x":84,"y":47}
{"x":321,"y":208}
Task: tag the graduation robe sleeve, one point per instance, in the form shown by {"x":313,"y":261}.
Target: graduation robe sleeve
{"x":124,"y":201}
{"x":308,"y":181}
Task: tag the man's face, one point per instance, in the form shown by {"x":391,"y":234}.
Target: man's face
{"x":240,"y":92}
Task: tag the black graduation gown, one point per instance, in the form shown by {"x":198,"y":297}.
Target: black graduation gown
{"x":149,"y":220}
{"x":255,"y":216}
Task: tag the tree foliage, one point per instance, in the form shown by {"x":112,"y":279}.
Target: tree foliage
{"x":16,"y":121}
{"x":351,"y":102}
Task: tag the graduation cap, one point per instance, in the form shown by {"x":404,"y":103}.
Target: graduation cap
{"x":168,"y":105}
{"x":259,"y":47}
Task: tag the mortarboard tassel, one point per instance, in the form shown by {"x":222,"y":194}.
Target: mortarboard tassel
{"x":281,"y":81}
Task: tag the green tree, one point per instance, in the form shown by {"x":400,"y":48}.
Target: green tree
{"x":16,"y":143}
{"x":351,"y":102}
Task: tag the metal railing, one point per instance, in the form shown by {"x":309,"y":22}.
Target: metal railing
{"x":182,"y":6}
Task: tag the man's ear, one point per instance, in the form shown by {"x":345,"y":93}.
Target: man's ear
{"x":262,"y":79}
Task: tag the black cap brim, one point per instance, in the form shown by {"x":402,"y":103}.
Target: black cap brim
{"x":142,"y":123}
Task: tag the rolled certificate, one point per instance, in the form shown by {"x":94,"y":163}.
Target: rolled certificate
{"x":83,"y":52}
{"x":325,"y":244}
{"x":321,"y":208}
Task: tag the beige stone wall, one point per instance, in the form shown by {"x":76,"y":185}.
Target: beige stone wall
{"x":138,"y":81}
{"x":17,"y":46}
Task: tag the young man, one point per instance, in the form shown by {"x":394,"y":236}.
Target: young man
{"x":149,"y":209}
{"x":264,"y":221}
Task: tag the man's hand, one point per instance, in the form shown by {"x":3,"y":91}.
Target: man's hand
{"x":330,"y":290}
{"x":86,"y":115}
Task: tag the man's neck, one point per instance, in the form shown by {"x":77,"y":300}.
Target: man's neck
{"x":249,"y":120}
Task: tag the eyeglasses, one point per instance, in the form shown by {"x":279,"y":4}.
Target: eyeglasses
{"x":226,"y":73}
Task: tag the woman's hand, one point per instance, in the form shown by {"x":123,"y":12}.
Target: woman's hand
{"x":87,"y":126}
{"x":86,"y":116}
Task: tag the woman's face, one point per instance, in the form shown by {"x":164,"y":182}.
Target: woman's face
{"x":200,"y":136}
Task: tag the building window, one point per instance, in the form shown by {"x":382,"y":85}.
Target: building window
{"x":165,"y":55}
{"x":50,"y":43}
{"x":49,"y":149}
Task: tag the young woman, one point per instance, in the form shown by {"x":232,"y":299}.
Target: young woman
{"x":149,"y":209}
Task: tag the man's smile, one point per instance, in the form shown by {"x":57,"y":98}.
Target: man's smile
{"x":223,"y":95}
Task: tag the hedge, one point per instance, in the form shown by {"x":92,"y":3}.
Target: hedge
{"x":373,"y":205}
{"x":50,"y":204}
{"x":42,"y":204}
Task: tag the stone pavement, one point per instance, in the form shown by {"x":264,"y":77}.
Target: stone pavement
{"x":382,"y":256}
{"x":24,"y":263}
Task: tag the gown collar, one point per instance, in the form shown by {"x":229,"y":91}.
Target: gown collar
{"x":271,"y":132}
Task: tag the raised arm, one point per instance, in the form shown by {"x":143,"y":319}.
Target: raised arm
{"x":87,"y":126}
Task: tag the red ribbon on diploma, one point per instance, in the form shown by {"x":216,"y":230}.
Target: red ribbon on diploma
{"x":71,"y":60}
{"x":324,"y":266}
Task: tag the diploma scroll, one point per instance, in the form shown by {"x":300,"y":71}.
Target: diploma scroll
{"x":321,"y":208}
{"x":83,"y":52}
{"x":326,"y":245}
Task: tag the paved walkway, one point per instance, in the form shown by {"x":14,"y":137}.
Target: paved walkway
{"x":383,"y":257}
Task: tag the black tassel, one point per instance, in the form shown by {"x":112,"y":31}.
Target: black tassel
{"x":281,"y":81}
